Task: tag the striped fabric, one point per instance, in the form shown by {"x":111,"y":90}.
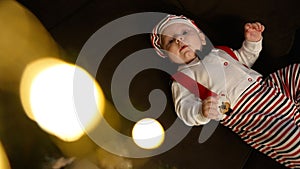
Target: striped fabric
{"x":267,"y":117}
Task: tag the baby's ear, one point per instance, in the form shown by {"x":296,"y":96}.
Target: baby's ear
{"x":202,"y":38}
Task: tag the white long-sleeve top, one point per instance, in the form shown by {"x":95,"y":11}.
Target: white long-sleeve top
{"x":220,"y":73}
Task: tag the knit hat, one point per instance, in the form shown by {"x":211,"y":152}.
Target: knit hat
{"x":164,"y":23}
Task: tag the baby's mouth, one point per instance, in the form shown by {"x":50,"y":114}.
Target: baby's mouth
{"x":183,"y":47}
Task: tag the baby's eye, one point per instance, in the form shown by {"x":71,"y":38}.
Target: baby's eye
{"x":184,"y":32}
{"x":171,"y":41}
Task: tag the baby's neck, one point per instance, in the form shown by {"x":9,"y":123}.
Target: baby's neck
{"x":196,"y":59}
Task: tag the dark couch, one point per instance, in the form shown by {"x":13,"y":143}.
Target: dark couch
{"x":71,"y":23}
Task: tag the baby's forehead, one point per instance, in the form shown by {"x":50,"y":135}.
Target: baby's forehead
{"x":175,"y":28}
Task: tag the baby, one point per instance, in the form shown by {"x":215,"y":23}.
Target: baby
{"x":220,"y":85}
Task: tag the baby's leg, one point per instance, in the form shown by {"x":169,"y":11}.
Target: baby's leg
{"x":287,"y":81}
{"x":268,"y":120}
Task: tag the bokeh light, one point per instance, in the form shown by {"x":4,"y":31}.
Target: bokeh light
{"x":4,"y":163}
{"x":47,"y":94}
{"x":23,"y":39}
{"x":148,"y":133}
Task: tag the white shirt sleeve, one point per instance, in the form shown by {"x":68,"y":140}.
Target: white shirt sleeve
{"x":188,"y":106}
{"x":249,"y":52}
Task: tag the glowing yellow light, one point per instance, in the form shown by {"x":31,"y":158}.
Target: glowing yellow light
{"x":4,"y":164}
{"x":148,"y":133}
{"x":48,"y":98}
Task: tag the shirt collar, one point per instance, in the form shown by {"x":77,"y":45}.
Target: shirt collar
{"x":194,"y":62}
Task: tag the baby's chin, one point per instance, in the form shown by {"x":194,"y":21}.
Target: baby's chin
{"x":190,"y":55}
{"x":183,"y":59}
{"x":189,"y":59}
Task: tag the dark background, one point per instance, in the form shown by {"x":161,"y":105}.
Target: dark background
{"x":71,"y":23}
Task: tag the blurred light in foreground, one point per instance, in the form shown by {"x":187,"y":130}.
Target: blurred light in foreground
{"x":23,"y":38}
{"x":4,"y":164}
{"x":148,"y":133}
{"x":47,"y":94}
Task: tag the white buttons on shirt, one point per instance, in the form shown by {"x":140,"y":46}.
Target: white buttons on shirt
{"x":225,"y":63}
{"x":250,"y":79}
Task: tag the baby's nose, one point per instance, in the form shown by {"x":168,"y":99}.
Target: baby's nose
{"x":179,"y":39}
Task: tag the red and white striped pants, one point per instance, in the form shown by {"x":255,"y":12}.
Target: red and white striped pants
{"x":267,"y":116}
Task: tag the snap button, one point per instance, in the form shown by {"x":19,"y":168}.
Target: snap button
{"x":250,"y":79}
{"x":225,"y":63}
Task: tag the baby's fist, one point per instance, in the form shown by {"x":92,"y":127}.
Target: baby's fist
{"x":253,"y":31}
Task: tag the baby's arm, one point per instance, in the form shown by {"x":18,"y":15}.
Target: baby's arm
{"x":252,"y":45}
{"x":188,"y":106}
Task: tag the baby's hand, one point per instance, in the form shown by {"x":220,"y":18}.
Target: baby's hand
{"x":210,"y":108}
{"x":253,"y":31}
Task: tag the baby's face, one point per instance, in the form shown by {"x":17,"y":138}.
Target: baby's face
{"x":181,"y":41}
